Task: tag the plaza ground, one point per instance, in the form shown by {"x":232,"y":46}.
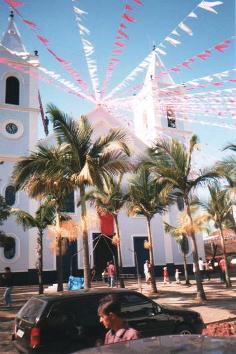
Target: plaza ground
{"x":220,"y":306}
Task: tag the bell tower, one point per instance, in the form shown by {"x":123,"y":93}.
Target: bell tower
{"x":19,"y":111}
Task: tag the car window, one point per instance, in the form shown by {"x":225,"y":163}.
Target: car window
{"x":32,"y":309}
{"x":133,"y":306}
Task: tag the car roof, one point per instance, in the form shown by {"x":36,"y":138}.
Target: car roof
{"x":51,"y":297}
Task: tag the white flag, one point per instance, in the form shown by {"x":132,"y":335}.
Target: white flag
{"x":160,"y":51}
{"x":207,"y":5}
{"x":83,"y":29}
{"x":175,"y":33}
{"x":79,"y":11}
{"x":185,"y":28}
{"x":172,"y":41}
{"x":192,"y":14}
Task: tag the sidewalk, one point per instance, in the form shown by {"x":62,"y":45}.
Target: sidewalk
{"x":221,"y":304}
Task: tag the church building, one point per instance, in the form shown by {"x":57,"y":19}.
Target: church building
{"x":19,"y":115}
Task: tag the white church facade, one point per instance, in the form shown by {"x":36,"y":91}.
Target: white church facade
{"x":19,"y":114}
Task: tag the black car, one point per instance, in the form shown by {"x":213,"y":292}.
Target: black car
{"x":67,"y":322}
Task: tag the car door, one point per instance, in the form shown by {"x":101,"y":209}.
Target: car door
{"x":145,"y":315}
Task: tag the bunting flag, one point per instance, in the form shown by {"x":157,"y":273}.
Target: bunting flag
{"x":185,"y":28}
{"x":14,"y":4}
{"x":88,"y":52}
{"x":209,"y":6}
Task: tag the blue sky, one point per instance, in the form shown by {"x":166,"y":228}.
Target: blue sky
{"x":154,"y":21}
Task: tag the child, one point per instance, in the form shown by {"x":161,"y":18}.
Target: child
{"x":177,"y":273}
{"x":165,"y":276}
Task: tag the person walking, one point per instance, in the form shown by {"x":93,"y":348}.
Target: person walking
{"x":147,"y":272}
{"x":207,"y":269}
{"x":109,"y":312}
{"x":111,"y":270}
{"x":222,"y":270}
{"x":8,"y":283}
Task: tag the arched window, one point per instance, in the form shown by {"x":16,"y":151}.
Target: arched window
{"x":9,"y":247}
{"x":12,"y":90}
{"x":69,"y":204}
{"x":10,"y":195}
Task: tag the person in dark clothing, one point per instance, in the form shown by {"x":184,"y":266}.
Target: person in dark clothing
{"x":8,"y":283}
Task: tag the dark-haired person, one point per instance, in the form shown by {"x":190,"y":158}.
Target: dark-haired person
{"x":109,"y":312}
{"x":8,"y":283}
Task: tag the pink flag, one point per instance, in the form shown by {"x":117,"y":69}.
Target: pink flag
{"x":29,"y":23}
{"x":3,"y":60}
{"x":222,"y":46}
{"x":122,"y":26}
{"x":14,"y":4}
{"x":138,"y":2}
{"x":128,"y":7}
{"x":43,"y":39}
{"x":123,"y":34}
{"x":128,"y":18}
{"x":119,"y":44}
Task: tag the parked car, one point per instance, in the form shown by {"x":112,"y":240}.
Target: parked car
{"x":66,"y":322}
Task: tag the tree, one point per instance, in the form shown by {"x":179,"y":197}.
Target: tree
{"x":110,"y":198}
{"x":227,"y":168}
{"x":88,"y":160}
{"x":44,"y":216}
{"x":219,"y":209}
{"x":4,"y":213}
{"x":171,"y":162}
{"x":147,"y":198}
{"x":41,"y":174}
{"x":182,"y":240}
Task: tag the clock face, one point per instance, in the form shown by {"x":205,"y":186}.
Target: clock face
{"x":11,"y":128}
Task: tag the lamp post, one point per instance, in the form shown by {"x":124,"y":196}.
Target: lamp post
{"x":137,"y":271}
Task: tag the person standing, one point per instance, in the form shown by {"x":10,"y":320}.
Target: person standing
{"x":201,"y":268}
{"x":166,"y":278}
{"x":111,"y":274}
{"x":177,"y":273}
{"x":222,"y":270}
{"x":147,"y":272}
{"x":8,"y":283}
{"x":109,"y":312}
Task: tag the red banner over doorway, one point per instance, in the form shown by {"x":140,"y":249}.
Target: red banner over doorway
{"x":106,"y":224}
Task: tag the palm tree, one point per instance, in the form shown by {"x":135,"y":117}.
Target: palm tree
{"x":88,"y":161}
{"x":41,"y":174}
{"x":219,"y":209}
{"x":171,"y":162}
{"x":227,"y":168}
{"x":110,"y":198}
{"x":147,"y":198}
{"x":44,"y":216}
{"x":182,"y":240}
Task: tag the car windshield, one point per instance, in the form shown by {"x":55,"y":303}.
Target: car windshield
{"x":32,"y":309}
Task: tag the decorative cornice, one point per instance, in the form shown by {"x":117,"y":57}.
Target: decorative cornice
{"x":18,"y":108}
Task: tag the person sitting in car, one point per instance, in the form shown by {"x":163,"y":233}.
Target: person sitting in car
{"x":109,"y":312}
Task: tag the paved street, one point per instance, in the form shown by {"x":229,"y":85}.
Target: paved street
{"x":221,"y":304}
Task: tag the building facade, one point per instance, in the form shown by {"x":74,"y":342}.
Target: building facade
{"x":19,"y":114}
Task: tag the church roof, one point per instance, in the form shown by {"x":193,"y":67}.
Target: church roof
{"x":157,"y":72}
{"x":11,"y":38}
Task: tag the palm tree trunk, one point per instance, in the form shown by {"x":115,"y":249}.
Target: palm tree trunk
{"x":227,"y":277}
{"x":120,"y":265}
{"x":59,"y":259}
{"x":87,"y":281}
{"x":153,"y":282}
{"x":40,"y":260}
{"x":186,"y":275}
{"x":201,"y":296}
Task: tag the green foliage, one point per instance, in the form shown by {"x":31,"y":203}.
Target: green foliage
{"x":4,"y":213}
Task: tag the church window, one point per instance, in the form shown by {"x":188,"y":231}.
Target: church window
{"x":69,"y":204}
{"x":10,"y":195}
{"x":9,"y":247}
{"x":171,"y":118}
{"x":12,"y":90}
{"x":11,"y":128}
